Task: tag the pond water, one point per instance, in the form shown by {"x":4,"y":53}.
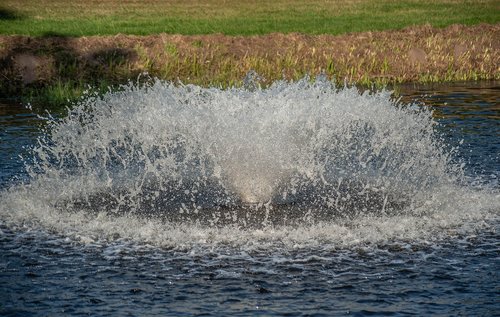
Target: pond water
{"x":301,"y":199}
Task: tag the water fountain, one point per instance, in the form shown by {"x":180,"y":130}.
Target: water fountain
{"x":301,"y":188}
{"x":294,"y":150}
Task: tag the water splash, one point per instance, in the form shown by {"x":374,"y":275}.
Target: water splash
{"x":211,"y":160}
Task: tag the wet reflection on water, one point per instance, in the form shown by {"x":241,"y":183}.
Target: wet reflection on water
{"x":469,"y":117}
{"x":458,"y":100}
{"x":19,"y":128}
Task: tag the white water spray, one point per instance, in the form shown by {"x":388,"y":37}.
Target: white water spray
{"x":292,"y":154}
{"x":290,"y":143}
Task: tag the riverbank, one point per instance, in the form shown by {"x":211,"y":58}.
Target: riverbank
{"x":57,"y":67}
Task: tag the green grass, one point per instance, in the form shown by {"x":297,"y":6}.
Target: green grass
{"x":234,"y":17}
{"x":60,"y":94}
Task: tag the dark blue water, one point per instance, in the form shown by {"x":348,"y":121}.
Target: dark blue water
{"x":44,"y":275}
{"x":431,"y":264}
{"x":18,"y":132}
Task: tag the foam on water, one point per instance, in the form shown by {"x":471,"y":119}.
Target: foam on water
{"x":294,"y":165}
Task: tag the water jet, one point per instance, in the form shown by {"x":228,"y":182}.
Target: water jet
{"x":309,"y":149}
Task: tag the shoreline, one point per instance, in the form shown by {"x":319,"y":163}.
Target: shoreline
{"x":55,"y":69}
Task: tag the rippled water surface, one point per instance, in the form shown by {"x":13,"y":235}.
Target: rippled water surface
{"x":302,"y":199}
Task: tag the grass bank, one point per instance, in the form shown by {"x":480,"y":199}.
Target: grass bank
{"x":53,"y":50}
{"x":234,"y":17}
{"x":57,"y":68}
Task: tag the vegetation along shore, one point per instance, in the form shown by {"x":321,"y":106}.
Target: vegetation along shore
{"x":36,"y":62}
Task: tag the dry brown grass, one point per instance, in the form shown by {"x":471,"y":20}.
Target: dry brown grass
{"x":422,"y":54}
